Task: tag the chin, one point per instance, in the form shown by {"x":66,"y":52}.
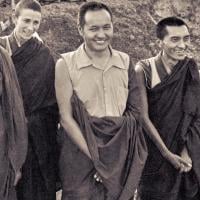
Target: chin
{"x":181,"y":58}
{"x":27,"y":38}
{"x":101,"y":48}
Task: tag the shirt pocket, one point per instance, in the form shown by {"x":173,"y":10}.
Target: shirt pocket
{"x":122,"y":95}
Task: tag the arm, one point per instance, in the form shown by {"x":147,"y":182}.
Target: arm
{"x":64,"y":92}
{"x":150,"y":129}
{"x":133,"y":101}
{"x":185,"y":156}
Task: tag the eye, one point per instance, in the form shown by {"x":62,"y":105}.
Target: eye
{"x":107,"y":27}
{"x":27,"y":20}
{"x":36,"y":22}
{"x":186,"y":38}
{"x":93,"y":28}
{"x":175,"y":39}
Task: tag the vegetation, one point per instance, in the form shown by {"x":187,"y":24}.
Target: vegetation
{"x":134,"y":22}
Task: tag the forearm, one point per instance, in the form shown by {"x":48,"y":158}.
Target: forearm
{"x":154,"y":136}
{"x":74,"y":132}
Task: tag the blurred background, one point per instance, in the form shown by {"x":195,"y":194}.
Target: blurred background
{"x":134,"y":22}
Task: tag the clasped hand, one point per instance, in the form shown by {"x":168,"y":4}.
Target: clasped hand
{"x":97,"y":177}
{"x":183,"y":163}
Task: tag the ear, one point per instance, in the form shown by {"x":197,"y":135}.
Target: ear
{"x":80,"y":30}
{"x":14,"y":18}
{"x":159,"y":43}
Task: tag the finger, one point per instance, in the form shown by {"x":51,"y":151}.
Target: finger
{"x":187,"y":169}
{"x":186,"y":163}
{"x":17,"y":178}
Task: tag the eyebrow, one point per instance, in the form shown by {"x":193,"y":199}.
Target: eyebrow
{"x":178,"y":36}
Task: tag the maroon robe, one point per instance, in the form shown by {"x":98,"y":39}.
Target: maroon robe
{"x":13,"y":127}
{"x":35,"y":69}
{"x":174,"y":110}
{"x":117,"y":148}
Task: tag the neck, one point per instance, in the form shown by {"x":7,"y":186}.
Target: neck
{"x":168,"y":62}
{"x":19,"y":41}
{"x":97,"y":54}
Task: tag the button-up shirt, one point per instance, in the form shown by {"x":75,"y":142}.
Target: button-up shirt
{"x":104,"y":92}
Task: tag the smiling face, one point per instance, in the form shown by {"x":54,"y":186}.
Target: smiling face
{"x":175,"y":42}
{"x":97,"y":31}
{"x":26,"y":24}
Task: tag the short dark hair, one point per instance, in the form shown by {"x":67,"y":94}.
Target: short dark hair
{"x":27,"y":4}
{"x":161,"y":30}
{"x":91,"y":6}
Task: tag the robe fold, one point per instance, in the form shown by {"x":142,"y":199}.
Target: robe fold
{"x":13,"y":127}
{"x":35,"y":69}
{"x":174,"y":110}
{"x":118,"y":151}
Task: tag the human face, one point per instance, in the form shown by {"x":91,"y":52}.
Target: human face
{"x":97,"y":31}
{"x":26,"y":24}
{"x":176,"y":42}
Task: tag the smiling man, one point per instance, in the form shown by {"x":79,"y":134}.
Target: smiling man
{"x":170,"y":92}
{"x":98,"y":102}
{"x":35,"y":66}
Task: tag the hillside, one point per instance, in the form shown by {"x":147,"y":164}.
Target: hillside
{"x":133,"y":21}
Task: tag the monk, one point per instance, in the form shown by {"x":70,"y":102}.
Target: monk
{"x":35,"y":65}
{"x":169,"y":87}
{"x":102,"y":144}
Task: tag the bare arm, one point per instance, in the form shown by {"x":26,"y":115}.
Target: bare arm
{"x":150,"y":129}
{"x":64,"y":92}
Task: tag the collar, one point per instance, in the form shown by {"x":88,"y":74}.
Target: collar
{"x":159,"y":62}
{"x":15,"y":37}
{"x":117,"y":59}
{"x":158,"y":59}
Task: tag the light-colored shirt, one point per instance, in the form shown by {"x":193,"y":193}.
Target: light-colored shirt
{"x":103,"y":92}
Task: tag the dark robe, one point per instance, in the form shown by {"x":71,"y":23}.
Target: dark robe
{"x":35,"y":69}
{"x":13,"y":128}
{"x":117,"y":148}
{"x":174,"y":111}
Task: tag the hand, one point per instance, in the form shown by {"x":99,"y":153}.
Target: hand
{"x":185,"y":156}
{"x":18,"y":176}
{"x":97,"y":177}
{"x":178,"y":162}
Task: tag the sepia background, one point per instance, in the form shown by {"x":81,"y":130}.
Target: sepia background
{"x":134,"y":22}
{"x":133,"y":19}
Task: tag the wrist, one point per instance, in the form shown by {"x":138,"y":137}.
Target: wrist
{"x":166,"y":153}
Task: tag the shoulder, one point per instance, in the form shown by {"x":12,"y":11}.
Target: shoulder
{"x":4,"y":53}
{"x":122,"y":56}
{"x":61,"y":67}
{"x":3,"y":41}
{"x":60,"y":64}
{"x":2,"y":50}
{"x":68,"y":60}
{"x":143,"y":65}
{"x":69,"y":55}
{"x":143,"y":71}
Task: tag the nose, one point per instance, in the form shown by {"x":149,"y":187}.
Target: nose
{"x":31,"y":27}
{"x":101,"y":33}
{"x":182,"y":44}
